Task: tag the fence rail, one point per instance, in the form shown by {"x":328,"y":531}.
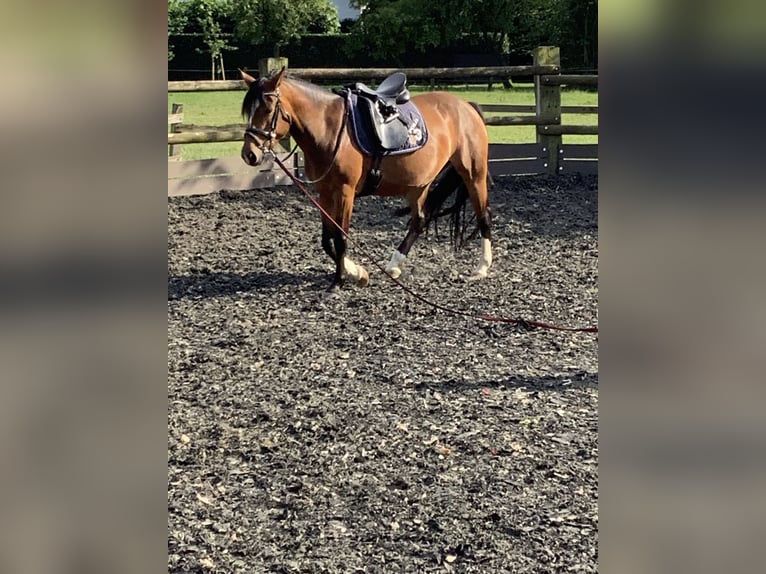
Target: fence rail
{"x":554,"y":130}
{"x":207,"y":135}
{"x":190,"y":133}
{"x":570,"y":80}
{"x":326,"y":74}
{"x":530,"y":109}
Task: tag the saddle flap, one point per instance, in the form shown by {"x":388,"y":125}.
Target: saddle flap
{"x":390,"y":129}
{"x":380,"y":126}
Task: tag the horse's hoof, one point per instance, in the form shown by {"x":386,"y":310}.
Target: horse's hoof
{"x":394,"y":272}
{"x":364,"y":278}
{"x":478,"y":276}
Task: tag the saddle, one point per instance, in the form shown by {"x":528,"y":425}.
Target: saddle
{"x":383,"y":122}
{"x":393,"y":90}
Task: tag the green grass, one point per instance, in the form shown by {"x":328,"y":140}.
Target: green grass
{"x":221,"y":108}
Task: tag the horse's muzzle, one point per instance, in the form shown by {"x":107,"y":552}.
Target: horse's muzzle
{"x":251,"y":155}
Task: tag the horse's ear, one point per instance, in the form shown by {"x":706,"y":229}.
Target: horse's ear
{"x":281,"y":74}
{"x":247,"y":78}
{"x":274,"y":81}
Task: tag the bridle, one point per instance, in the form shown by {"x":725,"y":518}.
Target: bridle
{"x":267,"y":146}
{"x":270,"y":135}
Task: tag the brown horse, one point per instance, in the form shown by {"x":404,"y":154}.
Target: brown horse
{"x":316,"y":119}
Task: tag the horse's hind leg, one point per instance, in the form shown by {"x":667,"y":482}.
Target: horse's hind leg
{"x":417,"y":225}
{"x":475,"y":174}
{"x":486,"y":247}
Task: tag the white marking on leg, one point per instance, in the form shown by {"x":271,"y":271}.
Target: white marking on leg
{"x":364,"y":277}
{"x":486,"y":260}
{"x":356,"y":272}
{"x":393,"y":268}
{"x":350,"y":268}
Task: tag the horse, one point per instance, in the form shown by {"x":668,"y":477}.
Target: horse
{"x":456,"y":150}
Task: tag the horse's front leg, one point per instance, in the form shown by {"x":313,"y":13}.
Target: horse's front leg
{"x":327,"y":239}
{"x":328,"y":244}
{"x":339,"y":246}
{"x":334,"y":243}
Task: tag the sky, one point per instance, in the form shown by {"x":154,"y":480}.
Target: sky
{"x":344,"y":10}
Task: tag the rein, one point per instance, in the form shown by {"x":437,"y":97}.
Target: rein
{"x":483,"y":316}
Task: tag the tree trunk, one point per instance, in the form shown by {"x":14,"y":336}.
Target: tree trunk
{"x":585,"y":38}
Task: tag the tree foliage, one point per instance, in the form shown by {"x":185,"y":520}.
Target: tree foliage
{"x":210,"y":16}
{"x":390,"y":27}
{"x":276,"y":22}
{"x":177,"y":20}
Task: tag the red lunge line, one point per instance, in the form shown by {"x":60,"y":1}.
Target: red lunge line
{"x":482,"y":316}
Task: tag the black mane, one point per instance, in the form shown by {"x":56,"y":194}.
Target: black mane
{"x":255,"y":91}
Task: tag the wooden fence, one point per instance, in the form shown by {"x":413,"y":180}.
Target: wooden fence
{"x":175,"y":123}
{"x":547,"y":155}
{"x":211,"y":175}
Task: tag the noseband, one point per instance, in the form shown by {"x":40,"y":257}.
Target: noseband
{"x":270,"y":135}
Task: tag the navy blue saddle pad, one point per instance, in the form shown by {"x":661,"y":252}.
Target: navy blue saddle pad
{"x":409,"y":136}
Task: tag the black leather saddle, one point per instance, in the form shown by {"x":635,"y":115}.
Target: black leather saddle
{"x":385,"y":114}
{"x":393,"y":90}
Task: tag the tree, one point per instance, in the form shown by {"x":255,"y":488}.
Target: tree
{"x":383,"y":28}
{"x":276,"y":22}
{"x":177,"y":20}
{"x":209,"y":14}
{"x":388,"y":28}
{"x":581,"y":34}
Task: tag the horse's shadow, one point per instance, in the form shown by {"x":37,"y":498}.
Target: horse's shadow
{"x":214,"y":284}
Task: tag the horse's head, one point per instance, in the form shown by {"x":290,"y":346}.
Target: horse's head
{"x":267,"y":120}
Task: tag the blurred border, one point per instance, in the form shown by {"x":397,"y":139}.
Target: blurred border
{"x":83,"y":332}
{"x":682,"y":282}
{"x":83,"y":239}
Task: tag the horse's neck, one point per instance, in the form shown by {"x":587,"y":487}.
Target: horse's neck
{"x":316,"y":120}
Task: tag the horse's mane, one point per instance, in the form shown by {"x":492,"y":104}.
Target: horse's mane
{"x":254,"y":93}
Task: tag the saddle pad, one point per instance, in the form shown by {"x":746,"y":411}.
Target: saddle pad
{"x":365,"y":137}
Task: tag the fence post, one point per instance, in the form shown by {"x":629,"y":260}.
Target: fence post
{"x":548,"y":104}
{"x":268,"y":65}
{"x":174,"y":150}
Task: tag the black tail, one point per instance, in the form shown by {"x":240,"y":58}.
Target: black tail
{"x":447,"y":183}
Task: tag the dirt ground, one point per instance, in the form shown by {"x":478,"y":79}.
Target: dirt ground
{"x":363,"y":431}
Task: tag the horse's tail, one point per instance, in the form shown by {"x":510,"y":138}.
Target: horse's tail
{"x":447,"y":183}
